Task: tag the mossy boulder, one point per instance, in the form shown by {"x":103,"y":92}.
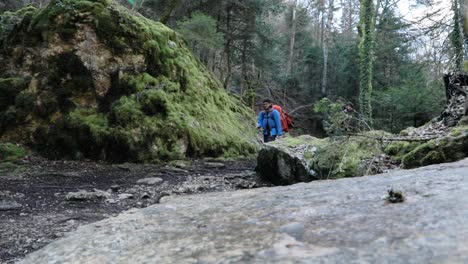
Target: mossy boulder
{"x":453,"y":147}
{"x":415,"y":151}
{"x":306,"y":158}
{"x":90,"y":79}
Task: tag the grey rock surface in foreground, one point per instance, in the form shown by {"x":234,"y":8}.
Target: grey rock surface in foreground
{"x":341,"y":221}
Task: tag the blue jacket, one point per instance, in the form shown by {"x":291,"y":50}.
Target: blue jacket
{"x":270,"y":122}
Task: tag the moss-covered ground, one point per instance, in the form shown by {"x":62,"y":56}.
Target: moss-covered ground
{"x":171,"y":107}
{"x":346,"y":156}
{"x":10,"y":154}
{"x":412,"y":154}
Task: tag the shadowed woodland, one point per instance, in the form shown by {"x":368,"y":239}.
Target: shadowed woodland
{"x":298,"y":52}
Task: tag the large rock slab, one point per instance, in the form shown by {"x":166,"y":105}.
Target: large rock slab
{"x":305,"y":158}
{"x":342,"y":221}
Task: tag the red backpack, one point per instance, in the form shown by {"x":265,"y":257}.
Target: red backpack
{"x":286,"y":119}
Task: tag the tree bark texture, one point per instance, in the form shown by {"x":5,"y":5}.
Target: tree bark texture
{"x":292,"y":38}
{"x":366,"y":54}
{"x":326,"y":44}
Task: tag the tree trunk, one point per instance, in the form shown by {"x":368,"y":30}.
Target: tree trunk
{"x":326,"y":44}
{"x":350,"y":28}
{"x":172,"y":5}
{"x":464,"y":21}
{"x":245,"y":85}
{"x":457,"y":37}
{"x":292,"y":39}
{"x":366,"y":54}
{"x":322,"y":20}
{"x":227,"y":47}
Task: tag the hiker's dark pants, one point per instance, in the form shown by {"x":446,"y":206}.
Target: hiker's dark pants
{"x":268,"y":138}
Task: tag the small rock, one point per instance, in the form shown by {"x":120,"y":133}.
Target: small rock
{"x":150,"y":181}
{"x":124,"y":196}
{"x":159,"y":196}
{"x":85,"y":195}
{"x":216,"y":165}
{"x":9,"y":205}
{"x":145,"y":196}
{"x":115,"y":188}
{"x":124,"y":167}
{"x":133,"y":190}
{"x":111,"y":201}
{"x":180,"y":164}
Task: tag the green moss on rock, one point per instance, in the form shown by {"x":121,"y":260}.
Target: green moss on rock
{"x":10,"y":158}
{"x":142,"y":97}
{"x":344,"y":156}
{"x":11,"y":21}
{"x":436,"y":151}
{"x":11,"y":152}
{"x":306,"y":158}
{"x":398,"y":149}
{"x":9,"y":89}
{"x":459,"y":130}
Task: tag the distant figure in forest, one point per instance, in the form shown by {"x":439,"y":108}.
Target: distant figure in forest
{"x":269,"y":121}
{"x":348,"y":108}
{"x":348,"y":123}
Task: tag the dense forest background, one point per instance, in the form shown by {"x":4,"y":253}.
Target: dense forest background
{"x":367,"y":52}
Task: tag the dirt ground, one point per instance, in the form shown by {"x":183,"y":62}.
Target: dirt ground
{"x":42,"y":200}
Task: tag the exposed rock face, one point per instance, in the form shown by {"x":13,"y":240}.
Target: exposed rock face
{"x":305,"y":158}
{"x":456,"y":89}
{"x":284,"y":164}
{"x":88,"y":79}
{"x":342,"y":221}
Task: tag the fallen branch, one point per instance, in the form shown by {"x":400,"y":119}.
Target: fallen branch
{"x":396,"y":139}
{"x":300,"y":107}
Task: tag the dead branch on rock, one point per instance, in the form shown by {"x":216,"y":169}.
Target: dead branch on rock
{"x":395,"y":139}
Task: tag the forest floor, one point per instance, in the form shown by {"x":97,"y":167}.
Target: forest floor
{"x":42,"y":200}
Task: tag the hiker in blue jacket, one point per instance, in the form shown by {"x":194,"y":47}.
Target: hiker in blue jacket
{"x":269,"y":120}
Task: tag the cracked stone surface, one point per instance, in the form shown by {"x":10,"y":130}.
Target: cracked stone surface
{"x":341,"y":221}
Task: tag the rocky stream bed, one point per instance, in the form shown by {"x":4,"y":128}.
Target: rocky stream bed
{"x":42,"y":200}
{"x":352,"y":220}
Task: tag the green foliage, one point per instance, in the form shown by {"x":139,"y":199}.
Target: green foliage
{"x":10,"y":20}
{"x":345,"y":156}
{"x":10,"y":155}
{"x":392,"y":49}
{"x":200,"y":31}
{"x":126,"y":112}
{"x":90,"y":120}
{"x":459,"y":130}
{"x":336,"y":122}
{"x":413,"y":103}
{"x":399,"y":149}
{"x":326,"y":106}
{"x":11,"y":152}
